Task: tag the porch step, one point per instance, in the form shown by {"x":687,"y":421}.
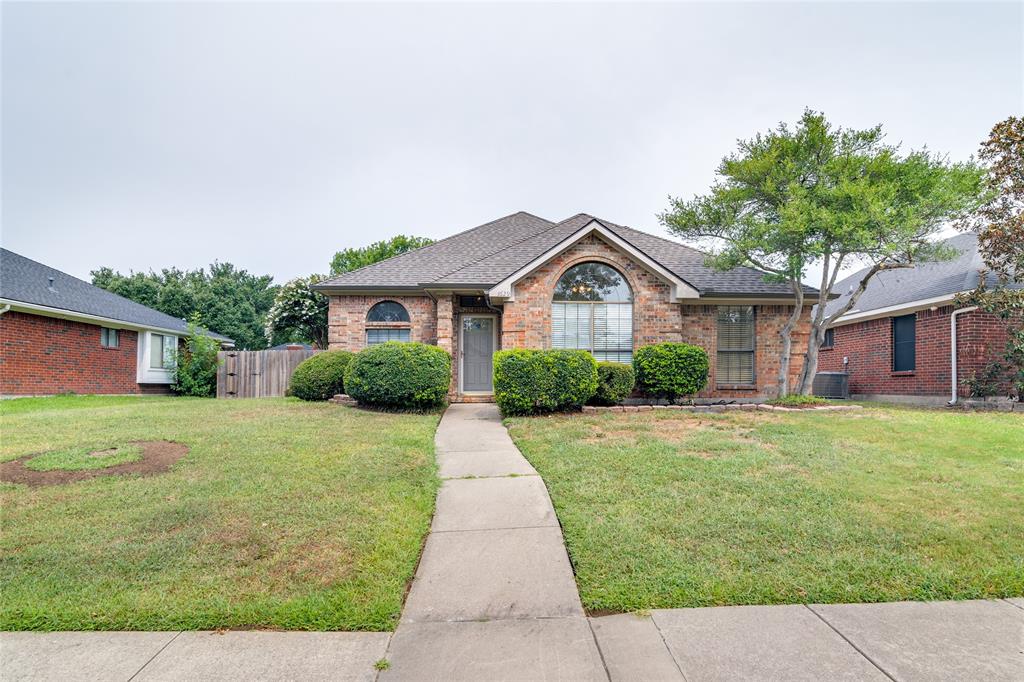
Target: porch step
{"x":473,"y":399}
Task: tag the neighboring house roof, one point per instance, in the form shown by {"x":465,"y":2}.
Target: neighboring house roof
{"x":291,"y":346}
{"x":486,"y":255}
{"x":23,"y":280}
{"x":906,"y":288}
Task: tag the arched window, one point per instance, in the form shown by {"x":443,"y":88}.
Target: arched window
{"x":592,"y":309}
{"x":387,"y":321}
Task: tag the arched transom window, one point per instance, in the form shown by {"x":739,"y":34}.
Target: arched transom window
{"x":592,"y":309}
{"x":387,"y":321}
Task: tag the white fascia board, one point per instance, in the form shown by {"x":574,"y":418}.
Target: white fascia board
{"x":505,"y":289}
{"x":855,"y":316}
{"x":18,"y":306}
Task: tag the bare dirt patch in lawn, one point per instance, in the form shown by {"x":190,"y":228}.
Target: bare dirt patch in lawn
{"x":157,"y":457}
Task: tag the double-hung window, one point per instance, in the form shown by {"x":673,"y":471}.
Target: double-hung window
{"x":163,"y":351}
{"x":904,"y":337}
{"x":108,"y":337}
{"x":735,"y":357}
{"x":592,"y":309}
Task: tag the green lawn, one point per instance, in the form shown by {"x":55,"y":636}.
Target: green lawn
{"x":284,"y":514}
{"x":667,"y":509}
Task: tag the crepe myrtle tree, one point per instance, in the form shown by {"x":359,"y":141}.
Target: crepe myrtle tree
{"x":299,"y":313}
{"x":817,"y":195}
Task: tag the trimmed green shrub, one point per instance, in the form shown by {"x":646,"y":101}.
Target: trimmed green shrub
{"x":614,"y":383}
{"x":400,"y":375}
{"x":321,"y":376}
{"x":532,"y":381}
{"x":670,"y":370}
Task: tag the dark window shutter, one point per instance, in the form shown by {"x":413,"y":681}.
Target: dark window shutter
{"x":904,"y":336}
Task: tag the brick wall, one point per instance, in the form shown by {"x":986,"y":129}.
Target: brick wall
{"x":868,"y":345}
{"x":45,"y":355}
{"x":526,"y":321}
{"x":346,"y":320}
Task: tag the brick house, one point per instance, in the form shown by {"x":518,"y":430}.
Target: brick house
{"x":59,"y":334}
{"x":897,"y":342}
{"x":525,"y":282}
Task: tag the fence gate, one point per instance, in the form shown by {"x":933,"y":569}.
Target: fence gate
{"x":257,"y":373}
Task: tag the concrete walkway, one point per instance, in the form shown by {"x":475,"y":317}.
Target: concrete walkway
{"x":494,"y":598}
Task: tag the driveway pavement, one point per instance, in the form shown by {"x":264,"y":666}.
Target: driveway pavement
{"x":494,"y":598}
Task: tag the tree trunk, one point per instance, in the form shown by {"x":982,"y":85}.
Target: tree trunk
{"x":786,"y":334}
{"x":810,"y":361}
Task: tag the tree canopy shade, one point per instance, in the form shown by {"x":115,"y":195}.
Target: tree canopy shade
{"x":228,"y":300}
{"x":353,"y":259}
{"x":299,"y":313}
{"x":815,"y":194}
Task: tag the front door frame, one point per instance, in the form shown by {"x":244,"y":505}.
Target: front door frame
{"x":494,"y":348}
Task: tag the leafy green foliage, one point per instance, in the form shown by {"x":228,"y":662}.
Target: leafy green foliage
{"x":196,"y":373}
{"x":400,"y":375}
{"x":299,"y":313}
{"x":230,"y":301}
{"x":533,"y":381}
{"x":986,"y":382}
{"x":353,"y":259}
{"x":321,"y":376}
{"x":818,"y":195}
{"x":794,"y":400}
{"x":670,"y":370}
{"x":614,"y":383}
{"x":81,"y":459}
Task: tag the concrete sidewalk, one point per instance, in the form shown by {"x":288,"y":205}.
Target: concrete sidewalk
{"x":494,"y":598}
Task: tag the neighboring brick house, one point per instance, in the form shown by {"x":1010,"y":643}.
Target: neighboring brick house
{"x":59,"y":334}
{"x":896,"y":343}
{"x":524,"y":282}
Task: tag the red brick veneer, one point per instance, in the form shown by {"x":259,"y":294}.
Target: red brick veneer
{"x":981,"y":338}
{"x":45,"y":355}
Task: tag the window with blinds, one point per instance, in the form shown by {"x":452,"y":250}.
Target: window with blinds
{"x":593,"y":310}
{"x":735,"y":357}
{"x":382,"y":334}
{"x":605,"y":329}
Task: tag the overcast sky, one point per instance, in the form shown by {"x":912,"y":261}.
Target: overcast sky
{"x":145,"y":136}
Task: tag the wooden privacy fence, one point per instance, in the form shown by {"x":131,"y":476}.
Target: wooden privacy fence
{"x":257,"y":373}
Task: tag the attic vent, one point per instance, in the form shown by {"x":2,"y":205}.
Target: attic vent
{"x":49,"y":283}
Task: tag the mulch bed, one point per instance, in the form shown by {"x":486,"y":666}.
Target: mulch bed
{"x":158,"y":456}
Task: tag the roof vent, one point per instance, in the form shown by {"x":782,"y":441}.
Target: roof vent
{"x":49,"y":284}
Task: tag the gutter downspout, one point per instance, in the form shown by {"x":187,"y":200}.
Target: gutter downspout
{"x":952,"y":350}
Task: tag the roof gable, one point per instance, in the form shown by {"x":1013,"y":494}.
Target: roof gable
{"x":487,"y":255}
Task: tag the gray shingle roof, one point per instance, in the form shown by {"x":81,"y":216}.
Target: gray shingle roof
{"x":923,"y":281}
{"x":26,"y":281}
{"x":485,"y":255}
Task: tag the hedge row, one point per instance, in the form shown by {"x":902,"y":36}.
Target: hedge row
{"x":532,"y":381}
{"x":393,"y":375}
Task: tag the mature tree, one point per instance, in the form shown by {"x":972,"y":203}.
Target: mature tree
{"x":352,"y":259}
{"x":229,"y":301}
{"x":299,"y":313}
{"x":818,"y":195}
{"x":1000,"y":226}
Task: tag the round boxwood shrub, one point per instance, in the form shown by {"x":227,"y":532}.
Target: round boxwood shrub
{"x":614,"y":383}
{"x":399,"y":375}
{"x":533,"y":381}
{"x":670,"y":370}
{"x":321,"y":376}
